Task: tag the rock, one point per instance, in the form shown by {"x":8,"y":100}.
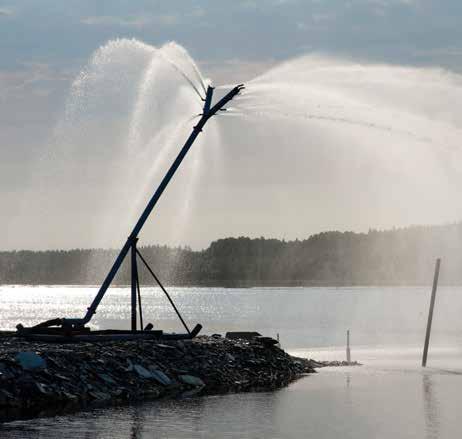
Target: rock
{"x":43,"y":388}
{"x":5,"y":398}
{"x":191,"y":392}
{"x":61,"y":377}
{"x":191,"y":380}
{"x":5,"y":372}
{"x":243,"y":335}
{"x":130,"y":365}
{"x":106,"y":378}
{"x":35,"y":376}
{"x":166,"y":346}
{"x":100,"y":396}
{"x":160,"y":377}
{"x":266,"y":341}
{"x":177,"y":371}
{"x":142,"y":372}
{"x":30,"y":360}
{"x":70,"y":397}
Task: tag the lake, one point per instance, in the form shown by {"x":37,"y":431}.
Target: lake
{"x":389,"y":396}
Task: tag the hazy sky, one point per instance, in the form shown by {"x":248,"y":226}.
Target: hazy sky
{"x":260,"y":182}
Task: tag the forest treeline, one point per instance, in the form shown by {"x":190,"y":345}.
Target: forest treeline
{"x":391,"y":257}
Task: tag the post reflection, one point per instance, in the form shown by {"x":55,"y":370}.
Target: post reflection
{"x":430,"y":405}
{"x":187,"y":416}
{"x":348,"y":379}
{"x":137,"y":421}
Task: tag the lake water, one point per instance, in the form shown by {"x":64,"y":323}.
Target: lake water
{"x":390,"y":396}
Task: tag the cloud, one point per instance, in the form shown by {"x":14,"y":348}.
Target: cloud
{"x":386,"y":3}
{"x":6,"y":12}
{"x":32,"y":78}
{"x":108,"y":20}
{"x":134,"y":22}
{"x":168,"y":19}
{"x":198,"y":12}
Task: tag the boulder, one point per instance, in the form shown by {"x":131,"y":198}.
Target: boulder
{"x":30,"y":360}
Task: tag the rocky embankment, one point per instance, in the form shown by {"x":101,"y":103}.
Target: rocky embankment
{"x":39,"y":378}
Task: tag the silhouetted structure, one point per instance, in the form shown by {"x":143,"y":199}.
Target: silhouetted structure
{"x":75,"y":326}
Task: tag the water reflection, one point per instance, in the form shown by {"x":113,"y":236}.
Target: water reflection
{"x":226,"y":416}
{"x":137,"y":423}
{"x":348,"y":379}
{"x":430,"y":402}
{"x":353,"y":404}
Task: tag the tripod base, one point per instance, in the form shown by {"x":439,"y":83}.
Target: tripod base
{"x":64,"y":335}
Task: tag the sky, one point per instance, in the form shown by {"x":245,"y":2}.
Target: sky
{"x":272,"y":191}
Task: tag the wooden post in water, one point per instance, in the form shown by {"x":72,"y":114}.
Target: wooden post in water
{"x":430,"y":312}
{"x":348,"y":353}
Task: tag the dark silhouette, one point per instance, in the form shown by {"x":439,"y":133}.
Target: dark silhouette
{"x":393,"y":257}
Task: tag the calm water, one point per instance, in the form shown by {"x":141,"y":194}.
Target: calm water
{"x":390,"y":396}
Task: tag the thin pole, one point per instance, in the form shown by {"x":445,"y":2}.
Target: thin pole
{"x":165,"y":291}
{"x":134,"y":276}
{"x":430,"y":312}
{"x":348,"y":353}
{"x":140,"y":308}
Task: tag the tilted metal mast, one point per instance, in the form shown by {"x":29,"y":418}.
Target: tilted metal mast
{"x":209,"y":110}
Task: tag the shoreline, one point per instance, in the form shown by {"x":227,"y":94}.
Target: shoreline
{"x":238,"y":285}
{"x":40,"y":379}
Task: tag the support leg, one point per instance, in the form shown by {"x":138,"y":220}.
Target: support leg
{"x":165,"y":291}
{"x":134,"y":283}
{"x":140,"y":308}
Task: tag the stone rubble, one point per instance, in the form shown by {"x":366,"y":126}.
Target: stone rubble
{"x":42,"y":378}
{"x":320,"y":364}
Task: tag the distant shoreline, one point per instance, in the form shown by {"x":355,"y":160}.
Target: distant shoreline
{"x":396,"y":257}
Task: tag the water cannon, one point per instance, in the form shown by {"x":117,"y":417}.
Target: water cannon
{"x":74,"y":328}
{"x":209,"y":111}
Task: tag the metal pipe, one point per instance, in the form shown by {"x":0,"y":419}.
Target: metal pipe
{"x":208,"y":100}
{"x":430,"y":312}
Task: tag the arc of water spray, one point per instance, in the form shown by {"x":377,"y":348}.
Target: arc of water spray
{"x":184,"y":75}
{"x":191,"y":63}
{"x":344,"y":120}
{"x":198,"y":74}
